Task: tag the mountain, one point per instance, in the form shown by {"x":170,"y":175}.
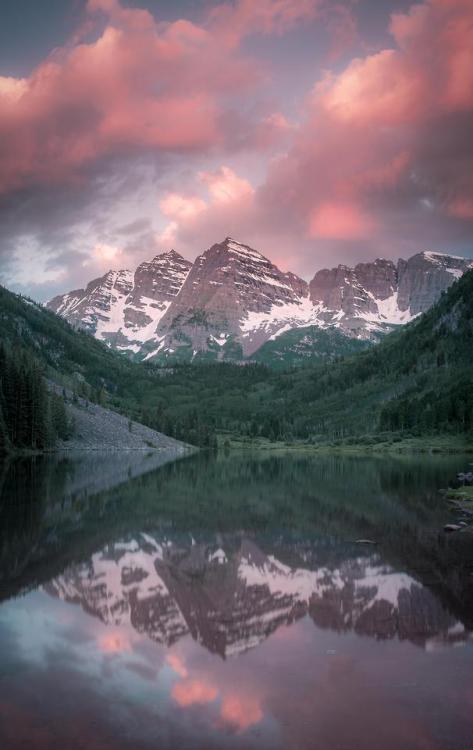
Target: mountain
{"x":233,"y":300}
{"x":123,"y":308}
{"x":65,"y":354}
{"x":230,"y":594}
{"x":376,"y":296}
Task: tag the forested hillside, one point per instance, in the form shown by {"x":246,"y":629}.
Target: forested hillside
{"x":40,"y":345}
{"x":419,"y":381}
{"x":30,"y":416}
{"x":300,"y":347}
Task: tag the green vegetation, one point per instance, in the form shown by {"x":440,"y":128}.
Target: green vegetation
{"x":31,"y":418}
{"x":365,"y":445}
{"x":416,"y":384}
{"x":300,"y":347}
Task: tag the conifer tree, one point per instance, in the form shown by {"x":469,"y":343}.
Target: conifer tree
{"x":4,"y":440}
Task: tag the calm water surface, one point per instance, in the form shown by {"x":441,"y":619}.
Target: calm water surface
{"x":226,"y":603}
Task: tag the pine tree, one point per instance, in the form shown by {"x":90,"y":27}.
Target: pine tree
{"x":24,"y":401}
{"x":4,"y":440}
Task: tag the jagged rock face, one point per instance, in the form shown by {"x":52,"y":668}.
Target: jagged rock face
{"x":230,"y":594}
{"x":227,"y":284}
{"x":233,"y":300}
{"x":124,"y":308}
{"x":88,"y":308}
{"x":155,"y":285}
{"x":379,"y":294}
{"x":423,"y":278}
{"x":354,"y":290}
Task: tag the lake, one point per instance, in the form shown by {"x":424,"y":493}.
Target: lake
{"x":240,"y":601}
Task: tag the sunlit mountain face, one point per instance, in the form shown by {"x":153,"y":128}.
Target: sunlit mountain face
{"x":233,"y":602}
{"x":233,"y":300}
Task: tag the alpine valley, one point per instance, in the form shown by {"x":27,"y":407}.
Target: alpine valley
{"x":233,"y":304}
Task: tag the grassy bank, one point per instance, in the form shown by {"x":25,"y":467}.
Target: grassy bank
{"x":431,"y":444}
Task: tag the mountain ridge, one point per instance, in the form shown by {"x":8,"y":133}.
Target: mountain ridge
{"x":233,"y":300}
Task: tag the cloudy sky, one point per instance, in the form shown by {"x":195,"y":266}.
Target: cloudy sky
{"x":318,"y":131}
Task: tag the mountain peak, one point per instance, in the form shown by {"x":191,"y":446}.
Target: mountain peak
{"x":435,"y":254}
{"x":166,"y":256}
{"x":436,"y":257}
{"x":244,"y":251}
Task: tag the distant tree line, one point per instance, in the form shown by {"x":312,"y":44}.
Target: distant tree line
{"x":451,"y":411}
{"x":190,"y":427}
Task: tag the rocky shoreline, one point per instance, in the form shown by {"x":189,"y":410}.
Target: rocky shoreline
{"x":460,"y":501}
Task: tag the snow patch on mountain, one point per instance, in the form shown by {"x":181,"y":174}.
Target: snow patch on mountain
{"x":280,"y":318}
{"x":244,"y":251}
{"x":116,"y":304}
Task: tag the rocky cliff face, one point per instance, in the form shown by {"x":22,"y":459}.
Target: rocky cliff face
{"x":378,"y":295}
{"x":423,"y":278}
{"x":229,"y":289}
{"x":123,"y":308}
{"x":89,"y":308}
{"x":231,"y":594}
{"x":233,"y":300}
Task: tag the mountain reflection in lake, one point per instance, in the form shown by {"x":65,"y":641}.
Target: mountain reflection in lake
{"x":225,"y":603}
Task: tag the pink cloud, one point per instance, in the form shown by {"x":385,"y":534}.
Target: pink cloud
{"x":180,"y":207}
{"x":388,"y":131}
{"x":241,"y":712}
{"x":225,"y":186}
{"x":378,"y":142}
{"x":369,"y":125}
{"x":230,"y":198}
{"x":234,"y":709}
{"x":340,"y":221}
{"x":192,"y":692}
{"x":387,"y":134}
{"x":177,"y":664}
{"x":234,"y":20}
{"x":141,"y":84}
{"x":115,"y":643}
{"x":462,"y":208}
